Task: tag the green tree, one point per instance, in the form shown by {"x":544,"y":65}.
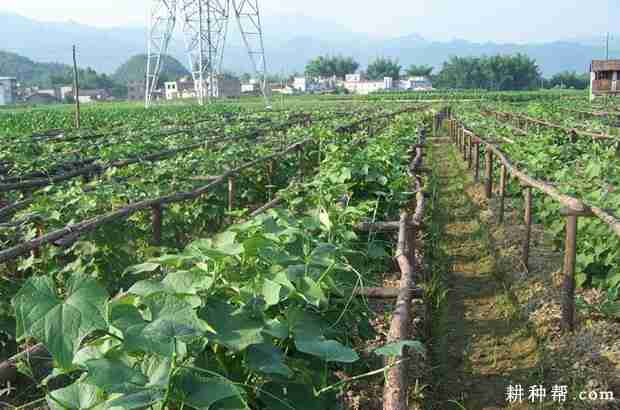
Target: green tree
{"x":419,"y":70}
{"x":328,"y":66}
{"x":383,"y":67}
{"x":570,"y":79}
{"x":500,"y":72}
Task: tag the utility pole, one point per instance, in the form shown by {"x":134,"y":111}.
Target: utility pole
{"x":607,"y":53}
{"x":76,"y":90}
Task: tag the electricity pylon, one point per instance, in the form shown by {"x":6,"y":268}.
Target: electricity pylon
{"x":205,"y":26}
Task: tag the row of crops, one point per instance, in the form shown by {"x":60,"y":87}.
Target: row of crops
{"x":490,"y":96}
{"x":137,"y":254}
{"x":578,"y":155}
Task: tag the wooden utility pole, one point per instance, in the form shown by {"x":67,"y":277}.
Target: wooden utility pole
{"x":607,"y":48}
{"x":76,"y":90}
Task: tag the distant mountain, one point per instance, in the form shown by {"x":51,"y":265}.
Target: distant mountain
{"x":29,"y":72}
{"x":135,"y":69}
{"x":290,"y":42}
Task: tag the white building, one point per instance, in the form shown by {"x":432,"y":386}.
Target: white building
{"x":353,"y":78}
{"x":249,"y":88}
{"x":185,"y":88}
{"x":8,"y":90}
{"x":301,"y":84}
{"x":356,"y":85}
{"x":416,"y":84}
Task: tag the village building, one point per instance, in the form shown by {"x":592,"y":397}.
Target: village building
{"x":416,"y":84}
{"x":91,"y":96}
{"x":185,"y":88}
{"x":251,"y":87}
{"x":300,"y":84}
{"x":8,"y":90}
{"x":356,"y":84}
{"x":136,"y":90}
{"x":604,"y":76}
{"x":41,"y":98}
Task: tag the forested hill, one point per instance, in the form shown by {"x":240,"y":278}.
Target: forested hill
{"x":29,"y":72}
{"x":44,"y":75}
{"x":135,"y":69}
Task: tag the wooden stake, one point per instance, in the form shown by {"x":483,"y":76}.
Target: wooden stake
{"x":568,"y":286}
{"x":488,"y":187}
{"x":528,"y":228}
{"x":466,"y":150}
{"x":477,"y":163}
{"x":471,"y":153}
{"x":502,"y":193}
{"x":76,"y":90}
{"x":231,"y":193}
{"x":157,"y":224}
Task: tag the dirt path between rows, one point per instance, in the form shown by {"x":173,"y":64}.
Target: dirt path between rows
{"x":479,"y":345}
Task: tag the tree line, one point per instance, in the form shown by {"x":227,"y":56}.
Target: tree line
{"x":500,"y":72}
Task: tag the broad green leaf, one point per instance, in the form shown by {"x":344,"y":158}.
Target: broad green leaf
{"x":124,"y":315}
{"x":327,"y":350}
{"x":377,"y":251}
{"x":305,"y":325}
{"x":7,"y":326}
{"x":59,"y":324}
{"x":114,"y":376}
{"x":231,"y":403}
{"x":312,"y":292}
{"x":137,"y":400}
{"x":142,"y":268}
{"x":172,"y":319}
{"x":271,"y":292}
{"x":293,"y":396}
{"x":78,"y":396}
{"x":396,"y":349}
{"x":234,"y":329}
{"x":613,"y":280}
{"x":96,"y":349}
{"x":175,"y":283}
{"x":252,"y":246}
{"x":225,"y":243}
{"x":276,"y":329}
{"x":158,"y":371}
{"x":323,"y":255}
{"x":171,"y":308}
{"x":202,"y":393}
{"x":266,"y":358}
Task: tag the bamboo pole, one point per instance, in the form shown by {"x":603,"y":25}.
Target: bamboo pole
{"x":231,"y":193}
{"x":157,"y":224}
{"x":395,"y":392}
{"x":471,"y":153}
{"x":477,"y":163}
{"x":488,"y":183}
{"x":567,"y":321}
{"x":502,"y":193}
{"x":528,"y":228}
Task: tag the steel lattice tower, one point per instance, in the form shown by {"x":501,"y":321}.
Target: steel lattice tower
{"x":205,"y":26}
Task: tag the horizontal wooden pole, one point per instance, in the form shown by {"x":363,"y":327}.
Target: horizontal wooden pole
{"x":387,"y":293}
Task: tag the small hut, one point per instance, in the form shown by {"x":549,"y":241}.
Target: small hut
{"x":604,"y":78}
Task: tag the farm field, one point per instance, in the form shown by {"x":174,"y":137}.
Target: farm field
{"x":326,"y":252}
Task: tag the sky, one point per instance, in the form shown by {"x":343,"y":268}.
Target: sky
{"x":475,"y":20}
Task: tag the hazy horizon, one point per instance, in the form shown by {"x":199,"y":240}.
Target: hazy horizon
{"x":476,"y":20}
